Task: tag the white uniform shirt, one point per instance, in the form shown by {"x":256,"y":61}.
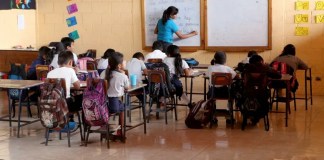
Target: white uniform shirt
{"x":136,"y":66}
{"x":220,"y":68}
{"x":170,"y":62}
{"x":102,"y":63}
{"x":55,"y":64}
{"x":67,"y":73}
{"x":156,"y":54}
{"x":117,"y":84}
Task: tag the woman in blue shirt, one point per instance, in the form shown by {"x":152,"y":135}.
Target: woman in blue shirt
{"x":166,"y":27}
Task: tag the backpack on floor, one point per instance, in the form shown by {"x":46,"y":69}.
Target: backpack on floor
{"x":52,"y":104}
{"x":94,"y":103}
{"x":201,"y":114}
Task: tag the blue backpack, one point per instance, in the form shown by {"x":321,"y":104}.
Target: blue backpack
{"x":17,"y":72}
{"x":191,"y":62}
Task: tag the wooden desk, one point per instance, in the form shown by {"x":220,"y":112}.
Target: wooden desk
{"x":126,"y":101}
{"x":192,"y":76}
{"x":308,"y":79}
{"x":20,"y":85}
{"x":16,"y":56}
{"x":201,"y":66}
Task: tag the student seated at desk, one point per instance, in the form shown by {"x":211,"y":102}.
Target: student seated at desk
{"x":218,"y":65}
{"x":177,"y":67}
{"x":137,"y":67}
{"x":103,"y":61}
{"x":157,"y":52}
{"x":241,"y":65}
{"x":41,"y":60}
{"x":117,"y":83}
{"x":66,"y":71}
{"x":68,"y":44}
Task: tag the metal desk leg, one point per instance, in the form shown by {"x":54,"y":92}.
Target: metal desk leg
{"x":124,"y":127}
{"x":205,"y":92}
{"x":186,"y":86}
{"x":306,"y":94}
{"x":191,"y":85}
{"x":310,"y":85}
{"x":10,"y":109}
{"x":287,"y":100}
{"x":19,"y":114}
{"x":143,"y":109}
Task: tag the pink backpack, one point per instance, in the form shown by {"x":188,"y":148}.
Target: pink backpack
{"x":94,"y":103}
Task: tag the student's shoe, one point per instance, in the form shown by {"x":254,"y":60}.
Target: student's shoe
{"x":72,"y":127}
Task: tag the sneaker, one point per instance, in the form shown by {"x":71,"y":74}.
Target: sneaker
{"x":114,"y":129}
{"x":72,"y":127}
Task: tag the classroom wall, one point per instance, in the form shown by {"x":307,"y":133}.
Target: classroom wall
{"x":9,"y":33}
{"x":116,"y":24}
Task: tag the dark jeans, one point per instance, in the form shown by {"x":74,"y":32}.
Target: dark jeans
{"x":219,"y":92}
{"x":75,"y":103}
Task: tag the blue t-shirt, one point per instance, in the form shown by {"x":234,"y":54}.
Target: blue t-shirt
{"x":165,"y":32}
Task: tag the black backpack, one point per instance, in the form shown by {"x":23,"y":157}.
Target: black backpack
{"x":201,"y":114}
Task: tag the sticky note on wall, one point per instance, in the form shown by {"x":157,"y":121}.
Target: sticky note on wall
{"x":301,"y":31}
{"x":319,"y":5}
{"x":71,"y":21}
{"x":301,"y":18}
{"x":72,"y":8}
{"x":301,"y":5}
{"x":319,"y":18}
{"x":74,"y":35}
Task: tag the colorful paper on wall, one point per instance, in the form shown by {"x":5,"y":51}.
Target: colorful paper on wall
{"x":301,"y":31}
{"x":74,"y":35}
{"x":319,"y":5}
{"x":301,"y":5}
{"x":17,"y":4}
{"x":301,"y":18}
{"x":71,"y":21}
{"x":72,"y":8}
{"x":319,"y":18}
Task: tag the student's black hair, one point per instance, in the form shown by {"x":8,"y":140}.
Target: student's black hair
{"x":157,"y":45}
{"x":43,"y":51}
{"x":251,"y":53}
{"x":138,"y":55}
{"x":256,"y":59}
{"x":65,"y":57}
{"x":289,"y":50}
{"x":67,"y":42}
{"x":168,"y":13}
{"x":174,"y":51}
{"x":114,"y":60}
{"x":57,"y":48}
{"x":107,"y":53}
{"x":219,"y":58}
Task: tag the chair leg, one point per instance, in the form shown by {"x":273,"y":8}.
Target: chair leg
{"x":80,"y":126}
{"x":174,"y":103}
{"x":266,"y":122}
{"x":150,"y":108}
{"x":46,"y":136}
{"x":69,"y":135}
{"x":28,"y":108}
{"x":60,"y":135}
{"x":277,"y":96}
{"x":294,"y":97}
{"x":244,"y":122}
{"x":13,"y":108}
{"x":165,"y":111}
{"x":87,"y":138}
{"x":107,"y":135}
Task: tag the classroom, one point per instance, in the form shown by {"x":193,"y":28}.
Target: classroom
{"x":127,"y":26}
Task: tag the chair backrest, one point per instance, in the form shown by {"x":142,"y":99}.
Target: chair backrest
{"x":156,"y":76}
{"x":154,"y":60}
{"x":42,"y":70}
{"x":91,"y":65}
{"x":255,"y":84}
{"x":52,"y":104}
{"x":224,"y":79}
{"x":94,"y":102}
{"x":282,"y":67}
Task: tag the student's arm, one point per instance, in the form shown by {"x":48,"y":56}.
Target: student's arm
{"x":184,"y":36}
{"x":188,"y":71}
{"x":156,"y":30}
{"x":301,"y":64}
{"x":143,"y":68}
{"x":74,"y":80}
{"x":126,"y":82}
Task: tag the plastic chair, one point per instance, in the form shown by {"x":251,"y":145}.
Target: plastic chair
{"x":223,"y":79}
{"x":158,"y":88}
{"x":256,"y":95}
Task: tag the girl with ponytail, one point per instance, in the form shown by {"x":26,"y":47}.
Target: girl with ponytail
{"x":177,"y":67}
{"x":166,"y":27}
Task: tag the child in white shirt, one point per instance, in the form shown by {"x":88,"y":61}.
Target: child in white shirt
{"x":68,"y":44}
{"x":157,"y":52}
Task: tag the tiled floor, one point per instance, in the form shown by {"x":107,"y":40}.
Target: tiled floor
{"x":301,"y":140}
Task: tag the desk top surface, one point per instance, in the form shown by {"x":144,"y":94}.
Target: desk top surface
{"x":19,"y":84}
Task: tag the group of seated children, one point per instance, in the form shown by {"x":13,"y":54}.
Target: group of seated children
{"x":112,"y":68}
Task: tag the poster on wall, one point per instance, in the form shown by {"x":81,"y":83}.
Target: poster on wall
{"x":17,"y":4}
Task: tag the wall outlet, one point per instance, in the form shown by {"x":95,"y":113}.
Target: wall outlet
{"x":318,"y":78}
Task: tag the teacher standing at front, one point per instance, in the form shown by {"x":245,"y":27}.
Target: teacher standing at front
{"x":166,"y":27}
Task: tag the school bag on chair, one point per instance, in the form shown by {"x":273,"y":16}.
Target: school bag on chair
{"x":94,"y":103}
{"x":52,"y":104}
{"x":18,"y":72}
{"x":201,"y":114}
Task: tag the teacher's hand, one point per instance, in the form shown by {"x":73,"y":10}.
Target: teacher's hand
{"x":194,"y":32}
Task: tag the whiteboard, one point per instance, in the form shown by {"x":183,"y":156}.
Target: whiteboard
{"x":238,"y":23}
{"x":188,"y":19}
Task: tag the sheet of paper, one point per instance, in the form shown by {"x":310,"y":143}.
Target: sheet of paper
{"x":319,"y":5}
{"x":71,"y":21}
{"x":72,"y":8}
{"x":301,"y":31}
{"x":301,"y":18}
{"x":302,"y":5}
{"x":74,"y":35}
{"x":21,"y":22}
{"x":319,"y":18}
